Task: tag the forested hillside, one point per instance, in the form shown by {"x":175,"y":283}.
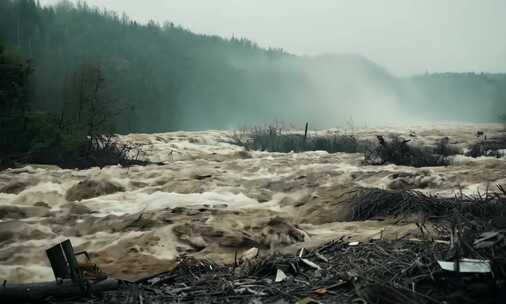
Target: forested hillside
{"x":163,"y":77}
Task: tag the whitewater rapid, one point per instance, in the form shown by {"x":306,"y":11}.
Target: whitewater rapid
{"x":210,"y":199}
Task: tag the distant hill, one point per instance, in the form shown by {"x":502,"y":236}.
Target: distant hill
{"x":458,"y":96}
{"x":165,"y":77}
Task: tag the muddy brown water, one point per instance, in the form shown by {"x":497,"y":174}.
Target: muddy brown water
{"x":210,"y":200}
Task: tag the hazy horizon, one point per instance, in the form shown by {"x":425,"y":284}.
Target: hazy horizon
{"x":406,"y":37}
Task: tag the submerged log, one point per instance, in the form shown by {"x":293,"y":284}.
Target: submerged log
{"x":61,"y":289}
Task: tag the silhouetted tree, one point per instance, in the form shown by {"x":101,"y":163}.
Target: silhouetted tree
{"x":14,"y":101}
{"x":89,"y":109}
{"x":180,"y":80}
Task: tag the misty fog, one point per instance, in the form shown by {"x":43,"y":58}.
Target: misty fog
{"x":234,"y":151}
{"x":164,"y":77}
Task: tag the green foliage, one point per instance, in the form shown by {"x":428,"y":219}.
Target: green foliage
{"x":79,"y":137}
{"x":42,"y":131}
{"x":21,"y":129}
{"x":171,"y":76}
{"x":14,"y":102}
{"x":176,"y":79}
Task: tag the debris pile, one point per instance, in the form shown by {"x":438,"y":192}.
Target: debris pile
{"x":378,"y":203}
{"x":397,"y":150}
{"x":409,"y":271}
{"x":341,"y":271}
{"x":461,"y":259}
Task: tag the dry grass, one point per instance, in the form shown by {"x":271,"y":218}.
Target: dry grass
{"x":274,"y":138}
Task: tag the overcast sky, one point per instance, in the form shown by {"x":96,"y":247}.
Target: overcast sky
{"x":405,"y":36}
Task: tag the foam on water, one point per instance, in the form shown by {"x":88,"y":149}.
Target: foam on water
{"x":209,"y":201}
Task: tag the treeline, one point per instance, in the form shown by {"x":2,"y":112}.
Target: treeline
{"x":15,"y":130}
{"x":81,"y":135}
{"x":162,"y":77}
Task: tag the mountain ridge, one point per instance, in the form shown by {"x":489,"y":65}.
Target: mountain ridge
{"x":174,"y":79}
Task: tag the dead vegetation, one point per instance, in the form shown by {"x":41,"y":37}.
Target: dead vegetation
{"x":394,"y":150}
{"x":462,"y":261}
{"x":404,"y":271}
{"x":100,"y":151}
{"x":397,"y":150}
{"x":377,"y":203}
{"x":276,"y":138}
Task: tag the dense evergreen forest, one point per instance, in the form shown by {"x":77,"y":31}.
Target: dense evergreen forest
{"x":153,"y":77}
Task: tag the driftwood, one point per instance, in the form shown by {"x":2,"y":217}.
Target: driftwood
{"x":62,"y":289}
{"x":73,"y":279}
{"x":379,"y":271}
{"x":378,"y":203}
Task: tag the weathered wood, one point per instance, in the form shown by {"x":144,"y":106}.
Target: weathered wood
{"x":305,"y":131}
{"x":41,"y":291}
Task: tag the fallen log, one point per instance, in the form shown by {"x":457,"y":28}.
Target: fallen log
{"x":35,"y":292}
